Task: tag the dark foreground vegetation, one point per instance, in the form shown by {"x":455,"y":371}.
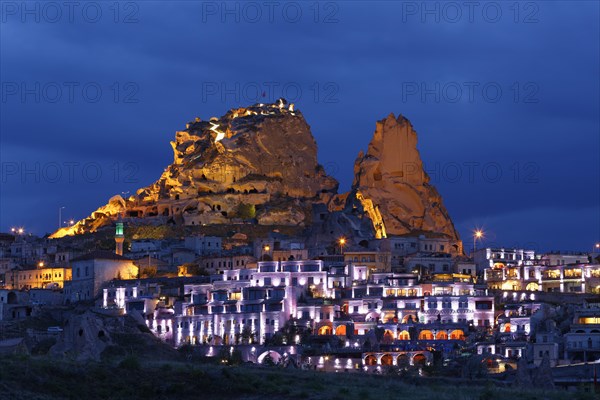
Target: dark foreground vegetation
{"x":28,"y":377}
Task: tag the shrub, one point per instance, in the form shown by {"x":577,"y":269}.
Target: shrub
{"x":130,"y":363}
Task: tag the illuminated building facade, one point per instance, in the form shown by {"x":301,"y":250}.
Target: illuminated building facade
{"x":248,"y":306}
{"x":581,"y":278}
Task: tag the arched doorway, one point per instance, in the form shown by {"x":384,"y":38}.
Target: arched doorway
{"x":441,"y":335}
{"x":325,"y":330}
{"x":11,"y":298}
{"x":340,"y":330}
{"x":370,"y":360}
{"x":425,"y":335}
{"x":387,"y":359}
{"x":403,"y":361}
{"x":457,"y":334}
{"x":372,"y":316}
{"x":273,"y":355}
{"x":532,"y":286}
{"x":388,"y":336}
{"x":404,"y":335}
{"x":409,"y":318}
{"x":419,"y":360}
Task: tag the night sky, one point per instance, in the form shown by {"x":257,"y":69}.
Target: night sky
{"x":504,"y":97}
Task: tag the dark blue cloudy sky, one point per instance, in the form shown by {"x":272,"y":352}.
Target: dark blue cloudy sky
{"x":504,"y":97}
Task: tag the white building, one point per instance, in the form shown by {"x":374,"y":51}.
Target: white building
{"x":203,"y":245}
{"x":91,"y":271}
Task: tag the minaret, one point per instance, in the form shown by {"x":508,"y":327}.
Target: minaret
{"x":119,"y":239}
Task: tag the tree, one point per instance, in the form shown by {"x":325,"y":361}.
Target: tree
{"x":290,"y":333}
{"x":195,"y":269}
{"x":148,"y":272}
{"x":268,"y":360}
{"x":230,"y":357}
{"x":247,"y":335}
{"x":246,"y":211}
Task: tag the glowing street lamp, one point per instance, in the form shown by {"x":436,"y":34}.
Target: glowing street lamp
{"x":478,"y":234}
{"x":266,"y":249}
{"x":342,"y":242}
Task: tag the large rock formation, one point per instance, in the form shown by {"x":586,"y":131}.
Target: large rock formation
{"x":255,"y":163}
{"x":393,"y":188}
{"x":259,"y":164}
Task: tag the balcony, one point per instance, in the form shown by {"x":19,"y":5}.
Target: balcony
{"x":551,"y":275}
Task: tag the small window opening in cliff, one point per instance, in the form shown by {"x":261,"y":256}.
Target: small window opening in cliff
{"x":377,"y":175}
{"x":230,"y":190}
{"x":204,"y":177}
{"x":100,"y":334}
{"x":80,"y":332}
{"x":176,"y":197}
{"x":218,"y":207}
{"x":224,"y":213}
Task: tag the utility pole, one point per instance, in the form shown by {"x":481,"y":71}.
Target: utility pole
{"x":60,"y":216}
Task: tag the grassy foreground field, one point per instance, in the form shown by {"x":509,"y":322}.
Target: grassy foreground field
{"x":45,"y":378}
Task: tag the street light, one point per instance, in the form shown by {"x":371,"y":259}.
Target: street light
{"x":60,"y":216}
{"x":342,"y":242}
{"x":266,"y":249}
{"x":478,"y":234}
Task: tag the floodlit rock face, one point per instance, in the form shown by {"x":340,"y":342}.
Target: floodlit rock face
{"x":254,"y":163}
{"x":258,"y":164}
{"x":392,"y":187}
